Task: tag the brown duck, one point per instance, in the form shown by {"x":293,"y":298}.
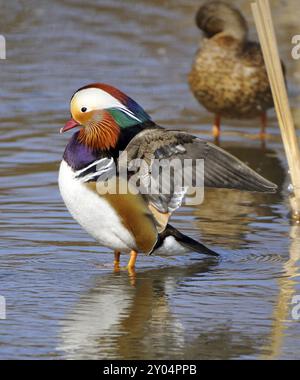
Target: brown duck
{"x":228,"y":76}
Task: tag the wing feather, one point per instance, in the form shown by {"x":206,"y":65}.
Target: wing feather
{"x":221,"y":169}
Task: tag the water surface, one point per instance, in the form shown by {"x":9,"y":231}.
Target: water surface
{"x":63,"y":299}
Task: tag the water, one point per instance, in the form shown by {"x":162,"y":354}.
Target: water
{"x":63,"y":299}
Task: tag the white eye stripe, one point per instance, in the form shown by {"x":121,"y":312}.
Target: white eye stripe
{"x":95,"y":98}
{"x":129,"y":113}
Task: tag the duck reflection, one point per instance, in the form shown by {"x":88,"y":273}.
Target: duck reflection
{"x":117,"y":320}
{"x":226,"y":216}
{"x":151,"y":320}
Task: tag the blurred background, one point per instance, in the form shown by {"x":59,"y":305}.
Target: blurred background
{"x":63,"y":300}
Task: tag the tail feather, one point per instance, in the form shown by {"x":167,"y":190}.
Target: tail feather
{"x":184,"y":240}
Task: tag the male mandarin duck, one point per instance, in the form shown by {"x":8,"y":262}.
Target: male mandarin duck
{"x":109,"y":123}
{"x":228,"y":76}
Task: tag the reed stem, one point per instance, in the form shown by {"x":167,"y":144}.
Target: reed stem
{"x":265,"y":28}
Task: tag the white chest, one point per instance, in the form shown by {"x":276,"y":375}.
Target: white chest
{"x":93,"y":212}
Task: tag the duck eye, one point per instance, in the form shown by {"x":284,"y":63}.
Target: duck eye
{"x":83,"y":109}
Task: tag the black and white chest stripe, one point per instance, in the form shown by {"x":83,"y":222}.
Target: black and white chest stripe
{"x":102,"y":169}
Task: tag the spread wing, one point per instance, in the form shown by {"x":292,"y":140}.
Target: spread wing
{"x":221,"y":169}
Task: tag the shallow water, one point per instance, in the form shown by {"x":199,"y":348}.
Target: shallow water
{"x":63,"y":300}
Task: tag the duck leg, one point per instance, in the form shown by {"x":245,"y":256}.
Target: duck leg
{"x":263,"y":134}
{"x":132,"y":260}
{"x":264,"y":121}
{"x":117,"y":259}
{"x":131,"y":267}
{"x":216,"y":129}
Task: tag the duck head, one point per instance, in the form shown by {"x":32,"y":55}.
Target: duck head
{"x":216,"y":17}
{"x":101,"y":112}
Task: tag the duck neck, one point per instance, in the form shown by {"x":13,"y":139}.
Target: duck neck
{"x":222,"y":20}
{"x":78,"y":154}
{"x":235,"y":30}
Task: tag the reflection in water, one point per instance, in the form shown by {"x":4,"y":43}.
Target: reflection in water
{"x":128,"y":322}
{"x":287,"y":289}
{"x":229,"y":215}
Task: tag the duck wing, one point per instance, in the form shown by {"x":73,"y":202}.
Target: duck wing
{"x":221,"y":169}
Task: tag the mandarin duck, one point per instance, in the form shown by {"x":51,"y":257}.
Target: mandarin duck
{"x":112,"y":124}
{"x":228,"y":76}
